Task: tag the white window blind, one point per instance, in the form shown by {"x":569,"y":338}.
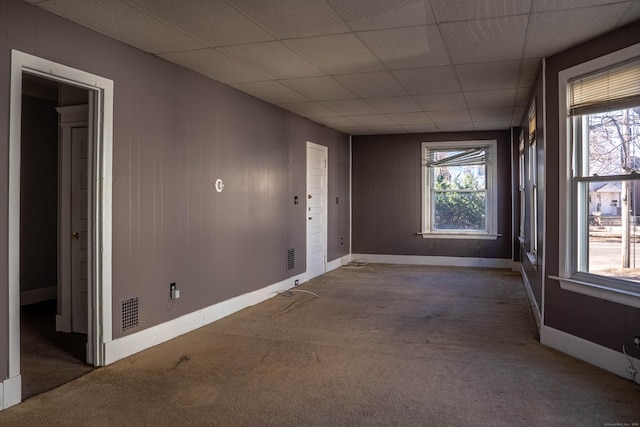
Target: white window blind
{"x":606,"y":90}
{"x":469,"y":157}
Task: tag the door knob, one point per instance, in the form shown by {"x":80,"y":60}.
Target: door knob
{"x":310,"y":218}
{"x":75,"y":236}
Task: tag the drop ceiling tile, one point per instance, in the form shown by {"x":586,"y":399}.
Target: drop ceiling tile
{"x":496,"y":125}
{"x":338,"y":122}
{"x":372,"y":120}
{"x":215,"y":65}
{"x":124,"y":23}
{"x":441,"y":101}
{"x":633,"y":14}
{"x":456,"y":127}
{"x":421,"y":128}
{"x":449,"y":116}
{"x":350,"y":107}
{"x":409,"y":47}
{"x":293,"y":18}
{"x":336,"y":54}
{"x":273,"y":59}
{"x":371,"y":85}
{"x":387,"y":130}
{"x":319,"y":88}
{"x":409,"y":118}
{"x":552,"y":32}
{"x":518,"y":113}
{"x":491,"y":98}
{"x":379,"y":14}
{"x":491,"y":114}
{"x":395,"y":104}
{"x":428,"y":80}
{"x":272,"y":92}
{"x":549,"y":5}
{"x":488,"y":76}
{"x":355,"y":130}
{"x":462,"y":10}
{"x":309,"y":109}
{"x":213,"y":22}
{"x":486,"y":40}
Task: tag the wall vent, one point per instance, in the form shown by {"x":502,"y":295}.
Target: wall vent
{"x":291,"y":259}
{"x":129,"y":313}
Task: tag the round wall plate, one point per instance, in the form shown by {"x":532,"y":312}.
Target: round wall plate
{"x":219,"y":185}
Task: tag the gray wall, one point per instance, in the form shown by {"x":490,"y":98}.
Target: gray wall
{"x":387,"y":175}
{"x":603,"y":322}
{"x":175,"y":132}
{"x":39,"y":194}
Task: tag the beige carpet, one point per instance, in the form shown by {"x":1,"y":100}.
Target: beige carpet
{"x":383,"y":345}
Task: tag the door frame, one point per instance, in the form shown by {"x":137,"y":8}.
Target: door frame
{"x":325,"y":197}
{"x":100,"y":193}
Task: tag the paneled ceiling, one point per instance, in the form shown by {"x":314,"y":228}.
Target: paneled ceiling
{"x":363,"y":66}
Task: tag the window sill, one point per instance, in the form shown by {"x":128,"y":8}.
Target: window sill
{"x":521,"y":240}
{"x":459,"y":236}
{"x":533,"y":258}
{"x":607,"y":293}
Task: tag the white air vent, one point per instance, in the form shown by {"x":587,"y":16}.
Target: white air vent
{"x":129,"y":313}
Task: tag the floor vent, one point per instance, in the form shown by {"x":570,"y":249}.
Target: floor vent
{"x":291,"y":259}
{"x":129,"y":313}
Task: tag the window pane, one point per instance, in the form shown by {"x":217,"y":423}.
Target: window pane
{"x":614,"y":238}
{"x":614,"y":142}
{"x":460,"y":177}
{"x":454,"y":210}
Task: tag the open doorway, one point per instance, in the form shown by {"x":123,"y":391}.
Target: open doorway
{"x":97,"y":115}
{"x":53,"y":234}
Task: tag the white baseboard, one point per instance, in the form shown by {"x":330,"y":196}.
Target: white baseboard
{"x":516,"y":266}
{"x":595,"y":354}
{"x":337,"y":263}
{"x":532,"y":298}
{"x":126,"y":346}
{"x":10,"y":392}
{"x":38,"y":295}
{"x":434,"y":260}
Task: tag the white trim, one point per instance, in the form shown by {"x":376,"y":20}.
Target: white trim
{"x":566,"y":215}
{"x":102,"y":88}
{"x":531,"y":297}
{"x":339,"y":262}
{"x":10,"y":392}
{"x":617,"y":295}
{"x":544,"y":189}
{"x":350,"y":194}
{"x":38,"y":295}
{"x":602,"y":357}
{"x":434,"y":260}
{"x":131,"y":344}
{"x":516,"y":266}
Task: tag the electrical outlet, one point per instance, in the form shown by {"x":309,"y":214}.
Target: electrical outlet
{"x":296,"y":283}
{"x":636,"y":340}
{"x":174,"y":292}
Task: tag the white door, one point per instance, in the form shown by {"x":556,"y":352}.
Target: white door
{"x":78,"y":236}
{"x":316,"y":209}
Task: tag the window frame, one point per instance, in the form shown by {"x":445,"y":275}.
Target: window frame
{"x":570,"y":278}
{"x":491,"y":191}
{"x":532,"y":143}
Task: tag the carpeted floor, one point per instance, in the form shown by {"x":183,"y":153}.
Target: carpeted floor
{"x":382,"y":345}
{"x":48,"y":358}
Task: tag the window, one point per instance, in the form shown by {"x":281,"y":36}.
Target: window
{"x":521,"y":188}
{"x":532,"y":252}
{"x":459,"y":189}
{"x":600,"y":241}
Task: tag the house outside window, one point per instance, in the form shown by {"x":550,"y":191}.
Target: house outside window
{"x":600,"y":240}
{"x":459,"y":189}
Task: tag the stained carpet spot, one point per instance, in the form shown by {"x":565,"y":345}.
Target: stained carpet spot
{"x":197,"y":396}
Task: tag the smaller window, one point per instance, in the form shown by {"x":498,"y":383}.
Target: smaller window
{"x":459,"y":189}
